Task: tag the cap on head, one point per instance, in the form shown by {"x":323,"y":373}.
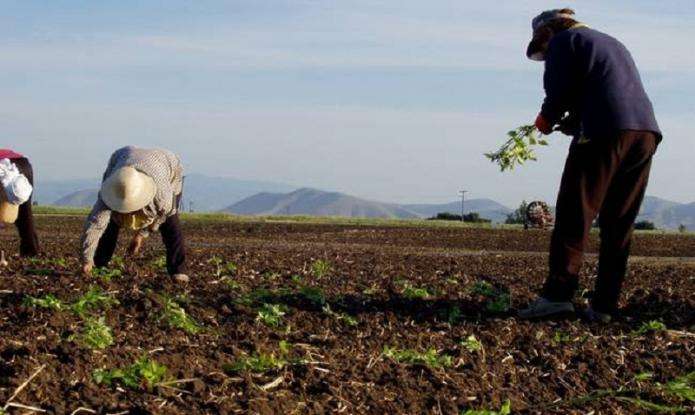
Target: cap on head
{"x":548,"y":15}
{"x":542,"y":32}
{"x":127,"y":190}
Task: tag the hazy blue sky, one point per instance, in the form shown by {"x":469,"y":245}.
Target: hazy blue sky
{"x":392,"y":100}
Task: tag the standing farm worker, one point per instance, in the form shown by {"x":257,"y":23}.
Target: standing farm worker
{"x":593,"y":93}
{"x":141,"y":190}
{"x":17,"y":181}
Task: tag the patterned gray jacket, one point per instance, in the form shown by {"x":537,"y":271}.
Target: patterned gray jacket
{"x":164,"y":167}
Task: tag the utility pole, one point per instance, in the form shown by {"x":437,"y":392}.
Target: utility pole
{"x":463,"y":199}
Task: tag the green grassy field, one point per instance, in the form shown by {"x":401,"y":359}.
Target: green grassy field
{"x":328,"y":220}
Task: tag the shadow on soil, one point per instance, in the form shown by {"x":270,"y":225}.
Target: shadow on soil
{"x":676,"y":314}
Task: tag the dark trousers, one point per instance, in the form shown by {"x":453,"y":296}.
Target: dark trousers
{"x":605,"y":177}
{"x":171,"y":236}
{"x":28,"y":239}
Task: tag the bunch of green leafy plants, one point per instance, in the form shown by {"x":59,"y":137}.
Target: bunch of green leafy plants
{"x":106,"y":274}
{"x":93,"y":299}
{"x":271,"y":314}
{"x":260,"y":362}
{"x":430,"y":357}
{"x":177,"y":317}
{"x":506,"y":409}
{"x":321,"y":268}
{"x":472,"y":344}
{"x":96,"y":334}
{"x":518,"y":149}
{"x":498,"y":300}
{"x":144,"y":372}
{"x":222,"y":267}
{"x":653,"y":326}
{"x":48,"y":301}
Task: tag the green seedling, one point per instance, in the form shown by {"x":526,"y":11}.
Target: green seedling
{"x":314,"y":295}
{"x":430,"y":358}
{"x":411,"y":292}
{"x":370,"y":290}
{"x":159,"y":263}
{"x":232,"y":285}
{"x":258,"y":363}
{"x":49,"y":262}
{"x":347,"y":318}
{"x":296,"y":279}
{"x":259,"y":295}
{"x":118,"y":262}
{"x":472,"y":344}
{"x":518,"y":149}
{"x":144,"y":372}
{"x":642,"y":377}
{"x":93,"y":299}
{"x":498,"y":300}
{"x":561,"y":337}
{"x":106,"y":274}
{"x":451,"y":314}
{"x":48,"y":301}
{"x":500,"y":304}
{"x":320,"y":268}
{"x":682,"y":387}
{"x":177,"y":317}
{"x":222,"y":268}
{"x":653,"y":326}
{"x":506,"y":409}
{"x":263,"y":362}
{"x":96,"y":334}
{"x":271,"y":314}
{"x":483,"y":288}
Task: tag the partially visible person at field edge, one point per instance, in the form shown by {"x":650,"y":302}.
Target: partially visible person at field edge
{"x":141,"y":190}
{"x":594,"y":94}
{"x":17,"y":182}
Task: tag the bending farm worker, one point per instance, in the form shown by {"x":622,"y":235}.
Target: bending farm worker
{"x":17,"y":181}
{"x":141,"y":190}
{"x":594,"y":94}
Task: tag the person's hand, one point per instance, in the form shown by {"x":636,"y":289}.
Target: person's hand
{"x":135,"y":245}
{"x":569,"y":125}
{"x":543,"y":125}
{"x":87,"y":269}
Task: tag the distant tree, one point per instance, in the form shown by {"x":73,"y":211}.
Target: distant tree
{"x":518,"y":216}
{"x":447,"y":216}
{"x":474,"y":217}
{"x":682,"y":228}
{"x":645,"y":225}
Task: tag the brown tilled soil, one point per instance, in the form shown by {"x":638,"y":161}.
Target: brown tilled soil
{"x":384,"y":288}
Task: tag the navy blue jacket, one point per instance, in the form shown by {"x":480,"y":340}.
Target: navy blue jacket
{"x":592,"y":76}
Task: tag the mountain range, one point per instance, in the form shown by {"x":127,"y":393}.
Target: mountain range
{"x":201,"y":193}
{"x":248,"y":197}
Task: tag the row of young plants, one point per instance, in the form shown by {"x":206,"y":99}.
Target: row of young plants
{"x":271,"y":309}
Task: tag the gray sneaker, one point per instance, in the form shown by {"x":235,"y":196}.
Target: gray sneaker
{"x":543,"y":307}
{"x":594,"y":316}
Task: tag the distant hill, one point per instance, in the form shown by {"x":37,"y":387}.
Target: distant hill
{"x":80,"y":198}
{"x":206,"y":193}
{"x":210,"y":194}
{"x":667,"y":214}
{"x":317,"y":203}
{"x":48,"y":192}
{"x":487,"y":208}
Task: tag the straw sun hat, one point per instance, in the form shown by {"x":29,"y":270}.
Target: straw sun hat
{"x":127,"y":190}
